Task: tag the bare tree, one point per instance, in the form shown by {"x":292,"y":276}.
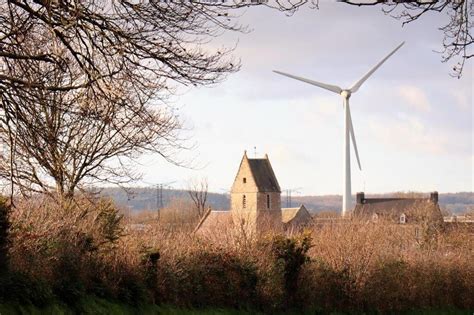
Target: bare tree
{"x":4,"y":227}
{"x":60,"y":139}
{"x":197,"y":191}
{"x":77,"y":78}
{"x":458,"y":39}
{"x":153,"y":41}
{"x":179,"y":213}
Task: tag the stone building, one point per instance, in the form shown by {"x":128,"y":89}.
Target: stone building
{"x":295,"y":218}
{"x":255,"y":202}
{"x":255,"y":195}
{"x":399,"y":210}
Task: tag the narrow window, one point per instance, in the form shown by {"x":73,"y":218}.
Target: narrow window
{"x":268,"y":201}
{"x":245,"y":180}
{"x":244,"y":202}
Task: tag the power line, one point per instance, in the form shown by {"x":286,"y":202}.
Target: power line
{"x":289,"y":191}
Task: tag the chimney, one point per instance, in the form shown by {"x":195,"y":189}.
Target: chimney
{"x":434,"y":197}
{"x":360,"y":197}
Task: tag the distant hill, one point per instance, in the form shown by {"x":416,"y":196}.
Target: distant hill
{"x":457,"y":202}
{"x":146,"y":198}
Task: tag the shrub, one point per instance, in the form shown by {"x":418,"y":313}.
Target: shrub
{"x":387,"y":288}
{"x":149,"y":262}
{"x":108,"y":222}
{"x":22,"y":289}
{"x":203,"y":279}
{"x":323,"y":288}
{"x":67,"y":282}
{"x":69,"y":250}
{"x":132,"y":289}
{"x":291,"y":254}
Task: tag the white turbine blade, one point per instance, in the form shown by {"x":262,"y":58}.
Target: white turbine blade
{"x":332,"y":88}
{"x":353,"y":137}
{"x":357,"y":85}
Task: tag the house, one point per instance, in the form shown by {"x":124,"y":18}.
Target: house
{"x":214,"y":221}
{"x":398,"y":210}
{"x":295,"y":218}
{"x":255,"y":202}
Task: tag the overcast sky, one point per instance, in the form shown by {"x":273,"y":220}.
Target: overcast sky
{"x":413,"y":122}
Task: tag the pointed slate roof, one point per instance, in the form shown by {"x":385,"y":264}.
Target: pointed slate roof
{"x":289,"y":214}
{"x":263,"y":174}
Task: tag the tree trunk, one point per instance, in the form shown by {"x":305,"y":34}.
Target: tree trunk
{"x":4,"y":225}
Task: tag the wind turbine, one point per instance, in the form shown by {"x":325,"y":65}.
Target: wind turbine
{"x":348,"y":128}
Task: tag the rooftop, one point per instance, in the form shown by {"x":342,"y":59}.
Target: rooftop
{"x":263,"y":174}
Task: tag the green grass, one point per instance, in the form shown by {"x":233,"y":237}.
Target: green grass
{"x":87,"y":305}
{"x":96,"y":306}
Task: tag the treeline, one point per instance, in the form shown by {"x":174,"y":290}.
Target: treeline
{"x":147,"y":198}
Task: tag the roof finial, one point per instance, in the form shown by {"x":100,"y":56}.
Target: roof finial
{"x":255,"y":152}
{"x":245,"y":153}
{"x":266,"y":156}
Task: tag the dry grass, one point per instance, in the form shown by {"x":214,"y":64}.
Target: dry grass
{"x":85,"y":247}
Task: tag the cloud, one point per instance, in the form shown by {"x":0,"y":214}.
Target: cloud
{"x":415,"y":97}
{"x":316,"y":109}
{"x":462,"y":99}
{"x":285,"y":154}
{"x":411,"y":135}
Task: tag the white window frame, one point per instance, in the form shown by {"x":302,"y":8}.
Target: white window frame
{"x":403,"y":218}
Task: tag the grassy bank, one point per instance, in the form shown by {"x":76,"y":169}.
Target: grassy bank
{"x":96,"y":306}
{"x":85,"y":305}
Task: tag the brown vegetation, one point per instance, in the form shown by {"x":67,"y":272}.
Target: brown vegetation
{"x":197,"y":191}
{"x":84,"y":247}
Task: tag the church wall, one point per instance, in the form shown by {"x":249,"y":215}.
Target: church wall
{"x":245,"y":217}
{"x":239,"y":185}
{"x":275,"y":201}
{"x":269,"y":218}
{"x":256,"y":216}
{"x":236,"y":201}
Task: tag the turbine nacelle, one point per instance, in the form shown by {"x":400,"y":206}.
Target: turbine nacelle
{"x":346,"y":94}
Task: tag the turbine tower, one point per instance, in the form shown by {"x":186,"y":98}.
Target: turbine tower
{"x":348,"y":128}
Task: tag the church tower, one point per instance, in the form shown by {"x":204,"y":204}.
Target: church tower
{"x":255,"y":196}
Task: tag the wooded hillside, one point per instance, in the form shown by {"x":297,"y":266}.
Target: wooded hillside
{"x":139,"y":199}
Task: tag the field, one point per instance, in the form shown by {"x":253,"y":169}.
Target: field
{"x":62,"y":253}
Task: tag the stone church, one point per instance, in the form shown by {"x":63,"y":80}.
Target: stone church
{"x":256,"y":202}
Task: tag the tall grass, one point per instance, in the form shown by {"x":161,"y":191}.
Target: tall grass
{"x":80,"y":247}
